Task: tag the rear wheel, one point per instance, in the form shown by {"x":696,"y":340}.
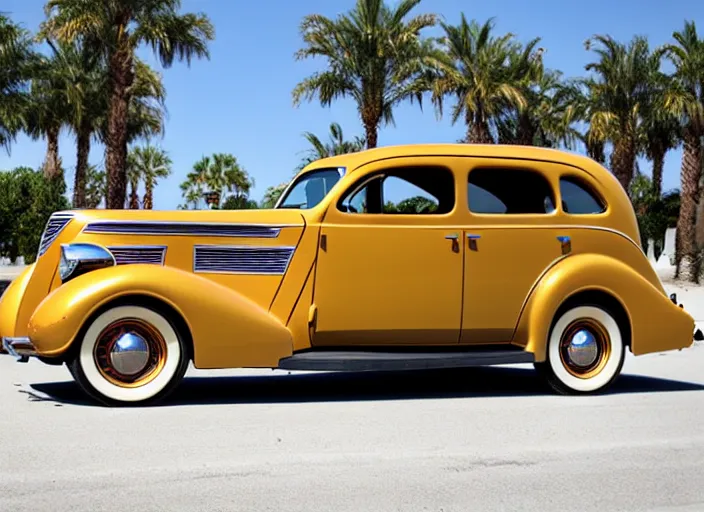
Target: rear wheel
{"x":129,"y":355}
{"x":585,"y":351}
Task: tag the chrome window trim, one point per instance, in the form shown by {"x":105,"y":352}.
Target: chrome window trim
{"x":291,"y":250}
{"x":162,"y":248}
{"x":185,"y":228}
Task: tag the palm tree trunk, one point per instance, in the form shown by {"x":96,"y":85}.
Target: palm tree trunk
{"x":526,"y":131}
{"x":623,"y":161}
{"x":148,"y":202}
{"x":478,"y":129}
{"x":371,"y":131}
{"x":134,"y":197}
{"x":658,"y":165}
{"x":595,"y":150}
{"x":82,"y":152}
{"x":51,"y":163}
{"x":687,"y":260}
{"x":121,"y":79}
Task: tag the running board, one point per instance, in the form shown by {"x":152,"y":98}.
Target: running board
{"x":357,"y":361}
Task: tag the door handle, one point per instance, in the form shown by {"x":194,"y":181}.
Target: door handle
{"x":472,"y":241}
{"x":455,"y":241}
{"x":565,"y":244}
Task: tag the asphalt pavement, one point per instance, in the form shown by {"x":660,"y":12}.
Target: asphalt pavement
{"x":456,"y":440}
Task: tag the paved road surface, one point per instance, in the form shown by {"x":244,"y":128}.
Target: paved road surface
{"x":486,"y":439}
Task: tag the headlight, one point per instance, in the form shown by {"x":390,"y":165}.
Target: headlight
{"x":77,"y":259}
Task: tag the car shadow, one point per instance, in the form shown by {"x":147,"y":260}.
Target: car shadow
{"x":363,"y":386}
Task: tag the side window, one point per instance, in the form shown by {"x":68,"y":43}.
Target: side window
{"x":408,"y":190}
{"x":509,"y":191}
{"x":578,"y":199}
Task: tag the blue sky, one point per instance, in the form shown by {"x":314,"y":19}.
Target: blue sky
{"x":239,"y":101}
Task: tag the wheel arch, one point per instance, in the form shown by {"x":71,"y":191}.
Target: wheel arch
{"x":650,"y":321}
{"x":158,"y":304}
{"x":226,"y":329}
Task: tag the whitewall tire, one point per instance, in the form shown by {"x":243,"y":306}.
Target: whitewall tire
{"x":129,"y":354}
{"x":585,"y":351}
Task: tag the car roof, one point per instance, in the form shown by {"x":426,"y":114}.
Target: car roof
{"x":353,"y":161}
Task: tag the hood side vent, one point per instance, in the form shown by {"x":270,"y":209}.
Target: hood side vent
{"x":228,"y":259}
{"x":126,"y":255}
{"x":56,"y":224}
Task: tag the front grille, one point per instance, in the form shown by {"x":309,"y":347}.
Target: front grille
{"x":241,"y":259}
{"x":125,"y":255}
{"x":57,"y":222}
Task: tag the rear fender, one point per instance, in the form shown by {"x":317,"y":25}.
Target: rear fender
{"x":228,"y":330}
{"x":656,"y":323}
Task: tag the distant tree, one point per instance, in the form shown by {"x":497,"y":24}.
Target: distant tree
{"x":147,"y":164}
{"x":416,"y":204}
{"x":96,"y":187}
{"x":240,"y":202}
{"x":214,"y":177}
{"x":27,"y":199}
{"x":337,"y":145}
{"x":272,"y":195}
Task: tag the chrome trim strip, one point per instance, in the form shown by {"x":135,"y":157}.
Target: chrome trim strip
{"x":19,"y":348}
{"x":48,"y":238}
{"x":223,"y":266}
{"x":145,"y":249}
{"x":169,"y":228}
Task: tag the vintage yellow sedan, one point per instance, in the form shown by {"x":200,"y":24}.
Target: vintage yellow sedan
{"x":410,"y":257}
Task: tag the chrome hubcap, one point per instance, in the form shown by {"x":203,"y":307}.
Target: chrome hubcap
{"x":129,"y":354}
{"x":583,"y":349}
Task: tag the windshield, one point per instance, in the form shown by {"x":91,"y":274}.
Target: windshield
{"x":311,"y":188}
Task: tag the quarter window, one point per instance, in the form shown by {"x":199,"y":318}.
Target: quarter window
{"x":578,"y":199}
{"x":509,"y":191}
{"x":409,"y":190}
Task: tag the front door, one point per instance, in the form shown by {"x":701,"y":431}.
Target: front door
{"x":511,"y":241}
{"x":389,"y":268}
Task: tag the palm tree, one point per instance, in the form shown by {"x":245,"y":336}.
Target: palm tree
{"x":548,"y":117}
{"x":48,"y":110}
{"x":272,"y":195}
{"x":485,"y":74}
{"x":214,"y":177}
{"x":337,"y":145}
{"x":621,"y":89}
{"x":133,"y":178}
{"x":375,"y":56}
{"x":117,"y":28}
{"x":96,"y":186}
{"x":149,"y":164}
{"x":685,"y":99}
{"x":16,"y":57}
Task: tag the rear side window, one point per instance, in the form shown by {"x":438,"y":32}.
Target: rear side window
{"x":509,"y":191}
{"x":578,"y":198}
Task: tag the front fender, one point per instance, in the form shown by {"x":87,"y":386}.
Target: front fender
{"x":656,"y":323}
{"x":228,"y":330}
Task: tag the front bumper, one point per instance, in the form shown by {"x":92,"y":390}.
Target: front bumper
{"x":19,"y":348}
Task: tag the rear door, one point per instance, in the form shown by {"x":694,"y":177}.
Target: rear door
{"x":513,"y":237}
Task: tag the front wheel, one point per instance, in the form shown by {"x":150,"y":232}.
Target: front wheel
{"x":129,"y":354}
{"x":585,"y":351}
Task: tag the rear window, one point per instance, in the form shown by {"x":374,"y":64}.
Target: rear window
{"x":509,"y":192}
{"x":578,"y":198}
